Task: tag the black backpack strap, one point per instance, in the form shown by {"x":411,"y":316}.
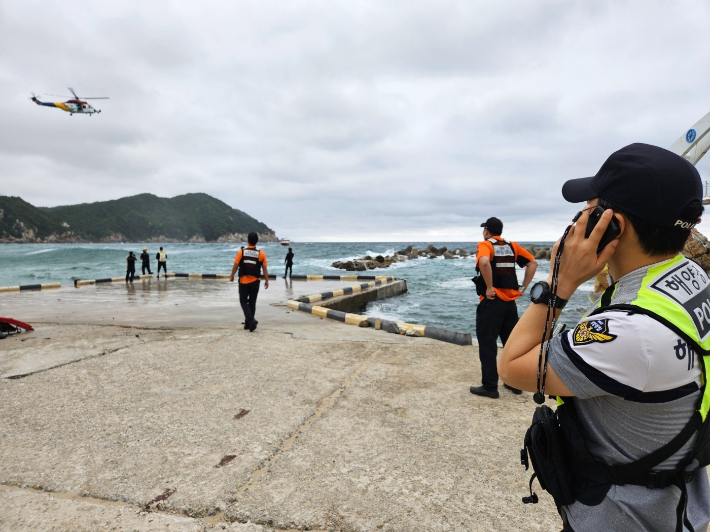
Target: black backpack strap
{"x":605,"y":299}
{"x":641,"y":472}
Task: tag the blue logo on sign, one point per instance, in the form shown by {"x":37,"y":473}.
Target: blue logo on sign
{"x":690,"y":135}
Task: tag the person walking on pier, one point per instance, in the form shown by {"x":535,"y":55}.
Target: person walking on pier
{"x":145,"y":259}
{"x":250,"y":262}
{"x":130,"y":266}
{"x":289,"y":263}
{"x":162,"y":262}
{"x":497,"y":287}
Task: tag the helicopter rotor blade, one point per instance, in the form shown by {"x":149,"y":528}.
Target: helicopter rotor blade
{"x":95,"y":98}
{"x":72,"y":91}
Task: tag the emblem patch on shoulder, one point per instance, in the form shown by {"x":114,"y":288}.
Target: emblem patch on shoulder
{"x":588,"y":332}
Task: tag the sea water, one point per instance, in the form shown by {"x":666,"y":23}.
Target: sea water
{"x":440,"y":291}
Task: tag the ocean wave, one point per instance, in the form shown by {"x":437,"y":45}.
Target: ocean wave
{"x":392,"y":310}
{"x":41,"y":251}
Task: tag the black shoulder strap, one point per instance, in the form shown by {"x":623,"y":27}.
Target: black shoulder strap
{"x":606,"y":297}
{"x":637,"y":471}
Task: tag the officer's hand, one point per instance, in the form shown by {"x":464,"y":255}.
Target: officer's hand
{"x":231,"y":278}
{"x":266,"y":284}
{"x":490,"y":293}
{"x":580,"y":261}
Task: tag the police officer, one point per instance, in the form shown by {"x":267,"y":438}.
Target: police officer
{"x":497,"y":287}
{"x":629,"y":372}
{"x":250,"y":262}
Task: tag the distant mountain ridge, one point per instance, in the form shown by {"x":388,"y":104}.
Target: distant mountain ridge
{"x":142,"y":218}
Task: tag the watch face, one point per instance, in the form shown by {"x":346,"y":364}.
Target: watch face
{"x":537,"y":291}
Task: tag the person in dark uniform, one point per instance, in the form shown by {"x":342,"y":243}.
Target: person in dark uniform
{"x":145,"y":259}
{"x":130,"y":266}
{"x":497,"y":313}
{"x":250,"y":262}
{"x":289,"y":263}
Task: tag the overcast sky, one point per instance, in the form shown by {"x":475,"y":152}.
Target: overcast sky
{"x":347,"y":120}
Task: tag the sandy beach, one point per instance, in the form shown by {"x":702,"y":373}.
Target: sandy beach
{"x":150,"y":408}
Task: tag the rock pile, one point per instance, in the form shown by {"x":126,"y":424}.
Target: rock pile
{"x":539,"y":253}
{"x":369,"y":263}
{"x":697,"y":248}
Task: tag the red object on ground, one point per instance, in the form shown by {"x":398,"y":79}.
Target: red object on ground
{"x":17,"y":323}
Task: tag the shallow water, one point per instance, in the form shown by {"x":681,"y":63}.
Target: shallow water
{"x":440,"y":291}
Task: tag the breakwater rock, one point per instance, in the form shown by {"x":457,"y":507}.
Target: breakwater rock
{"x":541,"y":253}
{"x":370,"y":263}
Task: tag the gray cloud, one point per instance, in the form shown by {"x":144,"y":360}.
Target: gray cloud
{"x":347,"y":120}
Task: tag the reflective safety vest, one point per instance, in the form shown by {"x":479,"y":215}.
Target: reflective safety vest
{"x":250,"y":263}
{"x":675,"y":293}
{"x":503,"y":265}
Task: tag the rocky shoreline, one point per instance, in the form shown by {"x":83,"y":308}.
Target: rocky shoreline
{"x":696,"y":248}
{"x":371,"y":263}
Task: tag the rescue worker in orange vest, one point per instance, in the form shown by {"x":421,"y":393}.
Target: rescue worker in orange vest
{"x":497,"y":287}
{"x":250,"y":262}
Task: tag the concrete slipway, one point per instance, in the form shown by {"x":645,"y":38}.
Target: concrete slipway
{"x":150,"y":408}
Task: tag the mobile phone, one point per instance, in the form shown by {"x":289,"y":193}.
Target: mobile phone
{"x":612,"y":231}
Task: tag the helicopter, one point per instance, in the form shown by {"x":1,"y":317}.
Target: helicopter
{"x":77,"y":105}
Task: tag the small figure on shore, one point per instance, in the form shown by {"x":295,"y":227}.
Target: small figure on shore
{"x":250,"y":262}
{"x":162,"y":261}
{"x":289,"y":263}
{"x":130,"y":266}
{"x":145,"y":258}
{"x":497,"y":288}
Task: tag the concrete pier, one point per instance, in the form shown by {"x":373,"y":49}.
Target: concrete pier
{"x":135,"y":408}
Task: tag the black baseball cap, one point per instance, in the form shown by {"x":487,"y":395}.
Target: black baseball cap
{"x":494,"y":225}
{"x":650,"y":182}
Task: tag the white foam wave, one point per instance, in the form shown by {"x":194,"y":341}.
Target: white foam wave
{"x":41,"y":251}
{"x":459,"y":282}
{"x":375,"y":253}
{"x":391,"y":311}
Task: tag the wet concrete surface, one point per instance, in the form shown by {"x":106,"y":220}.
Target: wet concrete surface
{"x":172,"y":302}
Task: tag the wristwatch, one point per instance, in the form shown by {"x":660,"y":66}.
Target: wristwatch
{"x":540,"y":293}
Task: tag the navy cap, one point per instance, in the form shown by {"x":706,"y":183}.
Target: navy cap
{"x":650,"y":182}
{"x":494,"y":225}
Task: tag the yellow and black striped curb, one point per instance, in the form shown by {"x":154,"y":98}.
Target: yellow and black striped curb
{"x":88,"y":282}
{"x":337,"y":315}
{"x":347,"y":278}
{"x":22,"y":288}
{"x":409,"y":329}
{"x":345,"y":291}
{"x":396,"y":327}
